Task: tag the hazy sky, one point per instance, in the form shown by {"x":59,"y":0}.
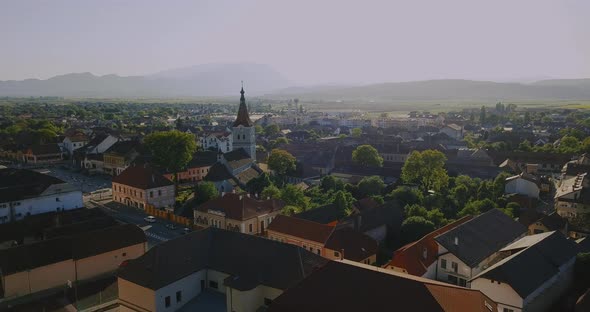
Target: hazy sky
{"x":308,"y":41}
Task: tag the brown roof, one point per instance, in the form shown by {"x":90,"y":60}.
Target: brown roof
{"x":355,"y":246}
{"x":239,"y":207}
{"x":344,"y":286}
{"x":243,"y":118}
{"x":301,"y":228}
{"x":142,"y":177}
{"x":411,"y":256}
{"x":45,"y":149}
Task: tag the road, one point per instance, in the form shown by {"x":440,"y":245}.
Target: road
{"x":84,"y":182}
{"x":156,"y":232}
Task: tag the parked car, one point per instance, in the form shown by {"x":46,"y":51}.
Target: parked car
{"x":150,"y":219}
{"x":171,"y":226}
{"x":186,"y":230}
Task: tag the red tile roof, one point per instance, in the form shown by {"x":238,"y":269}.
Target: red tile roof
{"x":411,"y":256}
{"x":239,"y":207}
{"x":142,"y":177}
{"x":301,"y":228}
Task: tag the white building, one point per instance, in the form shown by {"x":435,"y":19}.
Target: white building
{"x":72,"y":143}
{"x":454,"y":131}
{"x":523,"y":184}
{"x":468,"y":249}
{"x":217,"y":141}
{"x":250,"y":272}
{"x":536,"y":273}
{"x":25,"y":192}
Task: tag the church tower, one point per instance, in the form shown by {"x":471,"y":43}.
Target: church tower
{"x":243,"y":132}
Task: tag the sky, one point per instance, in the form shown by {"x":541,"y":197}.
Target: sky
{"x":309,"y":42}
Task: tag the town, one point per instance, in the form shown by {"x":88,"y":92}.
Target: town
{"x":294,"y":156}
{"x":190,"y":206}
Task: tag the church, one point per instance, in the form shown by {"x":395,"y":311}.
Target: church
{"x":235,"y":168}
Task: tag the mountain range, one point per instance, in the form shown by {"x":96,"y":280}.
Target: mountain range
{"x":260,"y":79}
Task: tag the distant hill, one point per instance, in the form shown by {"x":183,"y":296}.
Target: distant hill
{"x":200,"y":80}
{"x":449,"y":89}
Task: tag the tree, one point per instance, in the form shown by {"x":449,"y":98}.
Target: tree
{"x":258,"y":129}
{"x":281,"y":161}
{"x":370,"y":186}
{"x":357,"y":132}
{"x":569,"y":144}
{"x":476,"y":207}
{"x":525,"y":146}
{"x":272,"y":130}
{"x":294,"y":196}
{"x":415,"y":210}
{"x":205,"y":192}
{"x":414,"y":228}
{"x":270,"y":192}
{"x":426,"y":169}
{"x":331,"y":183}
{"x":482,"y":115}
{"x":171,"y":150}
{"x":258,"y":184}
{"x":405,"y":196}
{"x":342,"y":202}
{"x":367,"y":155}
{"x":437,"y":217}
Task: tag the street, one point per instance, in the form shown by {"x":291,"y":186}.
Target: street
{"x":84,"y":182}
{"x":155,"y":232}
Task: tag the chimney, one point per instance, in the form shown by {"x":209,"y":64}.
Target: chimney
{"x":222,"y":194}
{"x":248,"y":195}
{"x":456,"y":241}
{"x":153,"y":179}
{"x":241,"y":197}
{"x":342,"y":254}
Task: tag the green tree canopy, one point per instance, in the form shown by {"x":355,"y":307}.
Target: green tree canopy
{"x":270,"y":192}
{"x":204,"y":192}
{"x":405,"y":195}
{"x":356,"y":132}
{"x":370,"y":186}
{"x":414,"y":228}
{"x":272,"y":130}
{"x":367,"y":155}
{"x":256,"y":185}
{"x":426,"y":169}
{"x":172,"y":150}
{"x":415,"y":210}
{"x":281,"y":161}
{"x":331,"y":183}
{"x":294,"y":196}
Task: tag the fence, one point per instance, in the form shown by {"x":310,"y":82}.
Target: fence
{"x":170,"y":216}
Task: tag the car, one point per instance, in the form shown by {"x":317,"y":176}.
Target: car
{"x":186,"y":230}
{"x":171,"y":226}
{"x":150,"y":219}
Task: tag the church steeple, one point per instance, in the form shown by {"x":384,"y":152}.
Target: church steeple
{"x":243,"y":118}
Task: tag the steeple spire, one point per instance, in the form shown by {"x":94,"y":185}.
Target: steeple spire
{"x":243,"y":118}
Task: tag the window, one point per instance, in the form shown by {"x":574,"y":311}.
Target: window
{"x":508,"y":310}
{"x":213,"y":284}
{"x":124,"y":254}
{"x":267,"y":301}
{"x":159,"y":192}
{"x":167,"y":301}
{"x":318,"y":251}
{"x":336,"y":254}
{"x":179,"y":296}
{"x":250,"y":227}
{"x":443,"y":263}
{"x":462,"y":282}
{"x":57,"y":199}
{"x":455,"y":267}
{"x":151,"y":194}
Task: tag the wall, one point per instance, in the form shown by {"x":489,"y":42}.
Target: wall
{"x":303,"y":243}
{"x":38,"y":279}
{"x":251,"y":300}
{"x":501,"y":293}
{"x":107,"y":262}
{"x":58,"y":196}
{"x":218,"y":277}
{"x":189,"y":286}
{"x":139,"y":198}
{"x":136,"y":295}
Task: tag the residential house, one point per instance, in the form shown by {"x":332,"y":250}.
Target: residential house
{"x":232,"y":170}
{"x":349,"y":286}
{"x":572,"y":196}
{"x":536,"y":273}
{"x":197,"y":168}
{"x":454,"y":131}
{"x":249,"y":271}
{"x":119,"y":156}
{"x":217,"y":141}
{"x":26,"y":192}
{"x":74,"y":142}
{"x":547,"y":223}
{"x":140,"y":186}
{"x":546,"y":162}
{"x":523,"y":184}
{"x":42,"y":154}
{"x":471,"y":247}
{"x":52,"y":264}
{"x":239,"y":213}
{"x":97,"y":145}
{"x":575,"y":167}
{"x":325,"y":240}
{"x":419,"y":258}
